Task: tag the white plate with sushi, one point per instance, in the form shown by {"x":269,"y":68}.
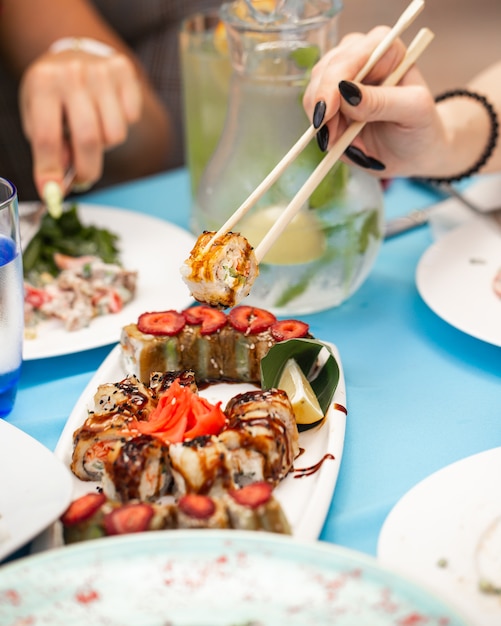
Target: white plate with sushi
{"x":305,"y":494}
{"x":36,"y":488}
{"x":216,"y":578}
{"x":155,"y":249}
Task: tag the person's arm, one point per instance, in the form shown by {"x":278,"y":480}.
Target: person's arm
{"x":408,"y":134}
{"x":75,"y":106}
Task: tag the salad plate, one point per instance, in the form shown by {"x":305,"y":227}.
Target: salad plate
{"x":36,"y":488}
{"x":212,"y":578}
{"x":455,"y":278}
{"x":305,"y":494}
{"x":154,"y":248}
{"x":446,"y":533}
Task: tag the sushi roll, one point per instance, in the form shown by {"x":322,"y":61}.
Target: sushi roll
{"x":262,"y":436}
{"x":195,"y":510}
{"x":93,"y":515}
{"x":129,"y":397}
{"x":95,"y":445}
{"x":254,"y":508}
{"x":139,"y":470}
{"x":200,"y":465}
{"x":220,"y":273}
{"x":212,"y":344}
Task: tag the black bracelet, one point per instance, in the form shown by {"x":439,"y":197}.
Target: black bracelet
{"x":493,"y":137}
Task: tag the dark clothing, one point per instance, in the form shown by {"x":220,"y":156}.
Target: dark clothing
{"x":150,"y":28}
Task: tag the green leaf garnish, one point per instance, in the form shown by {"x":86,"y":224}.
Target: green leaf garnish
{"x":314,"y":358}
{"x":69,"y":236}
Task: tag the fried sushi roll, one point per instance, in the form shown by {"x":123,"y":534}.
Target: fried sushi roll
{"x":223,"y":275}
{"x":138,"y":470}
{"x":200,"y":465}
{"x":96,"y":443}
{"x":161,"y":381}
{"x":129,"y":396}
{"x":262,"y":436}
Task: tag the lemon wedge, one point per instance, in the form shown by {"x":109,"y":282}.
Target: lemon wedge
{"x":302,"y":397}
{"x":301,"y":242}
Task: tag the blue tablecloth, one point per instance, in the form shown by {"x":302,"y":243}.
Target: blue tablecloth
{"x":420,"y":393}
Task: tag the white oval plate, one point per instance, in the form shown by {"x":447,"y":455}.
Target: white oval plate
{"x":455,"y":275}
{"x":434,"y":533}
{"x":211,"y":578}
{"x":35,"y":488}
{"x":153,"y":247}
{"x":304,"y":498}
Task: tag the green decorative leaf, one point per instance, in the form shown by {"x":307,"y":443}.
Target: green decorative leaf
{"x":322,"y":373}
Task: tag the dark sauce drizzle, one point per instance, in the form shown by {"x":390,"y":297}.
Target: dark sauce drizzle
{"x":308,"y":471}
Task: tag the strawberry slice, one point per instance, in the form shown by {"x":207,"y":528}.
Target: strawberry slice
{"x":289,"y":329}
{"x":251,"y":320}
{"x":252,"y":495}
{"x":210,"y":319}
{"x":129,"y":518}
{"x":83,"y":508}
{"x":197,"y":505}
{"x":161,"y":323}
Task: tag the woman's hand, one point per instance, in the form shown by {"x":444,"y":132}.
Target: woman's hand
{"x":405,"y":135}
{"x":76,"y":105}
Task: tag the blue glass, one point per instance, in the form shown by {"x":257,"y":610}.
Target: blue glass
{"x":11,"y":312}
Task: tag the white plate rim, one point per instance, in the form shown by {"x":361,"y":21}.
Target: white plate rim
{"x":413,"y":544}
{"x":36,"y":487}
{"x":458,"y":290}
{"x":172,"y":245}
{"x":319,"y":487}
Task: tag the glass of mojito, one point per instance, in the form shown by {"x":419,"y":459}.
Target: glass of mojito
{"x":205,"y":72}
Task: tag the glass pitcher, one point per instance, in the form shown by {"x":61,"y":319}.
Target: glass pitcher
{"x":328,"y":249}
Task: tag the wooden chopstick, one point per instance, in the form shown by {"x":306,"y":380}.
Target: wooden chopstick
{"x":403,"y":22}
{"x":417,"y":46}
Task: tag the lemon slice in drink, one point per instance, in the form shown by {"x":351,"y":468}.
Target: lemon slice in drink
{"x":301,"y":242}
{"x":303,"y":399}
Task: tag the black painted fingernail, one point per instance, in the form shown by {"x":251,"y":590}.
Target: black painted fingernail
{"x":323,"y":138}
{"x":376,"y":165}
{"x":361,"y":159}
{"x":319,"y":113}
{"x":350,"y":92}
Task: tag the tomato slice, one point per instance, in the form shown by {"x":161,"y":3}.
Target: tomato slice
{"x":289,"y":329}
{"x":161,"y":323}
{"x":251,"y":320}
{"x":210,"y":319}
{"x":83,"y":508}
{"x":35,"y":296}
